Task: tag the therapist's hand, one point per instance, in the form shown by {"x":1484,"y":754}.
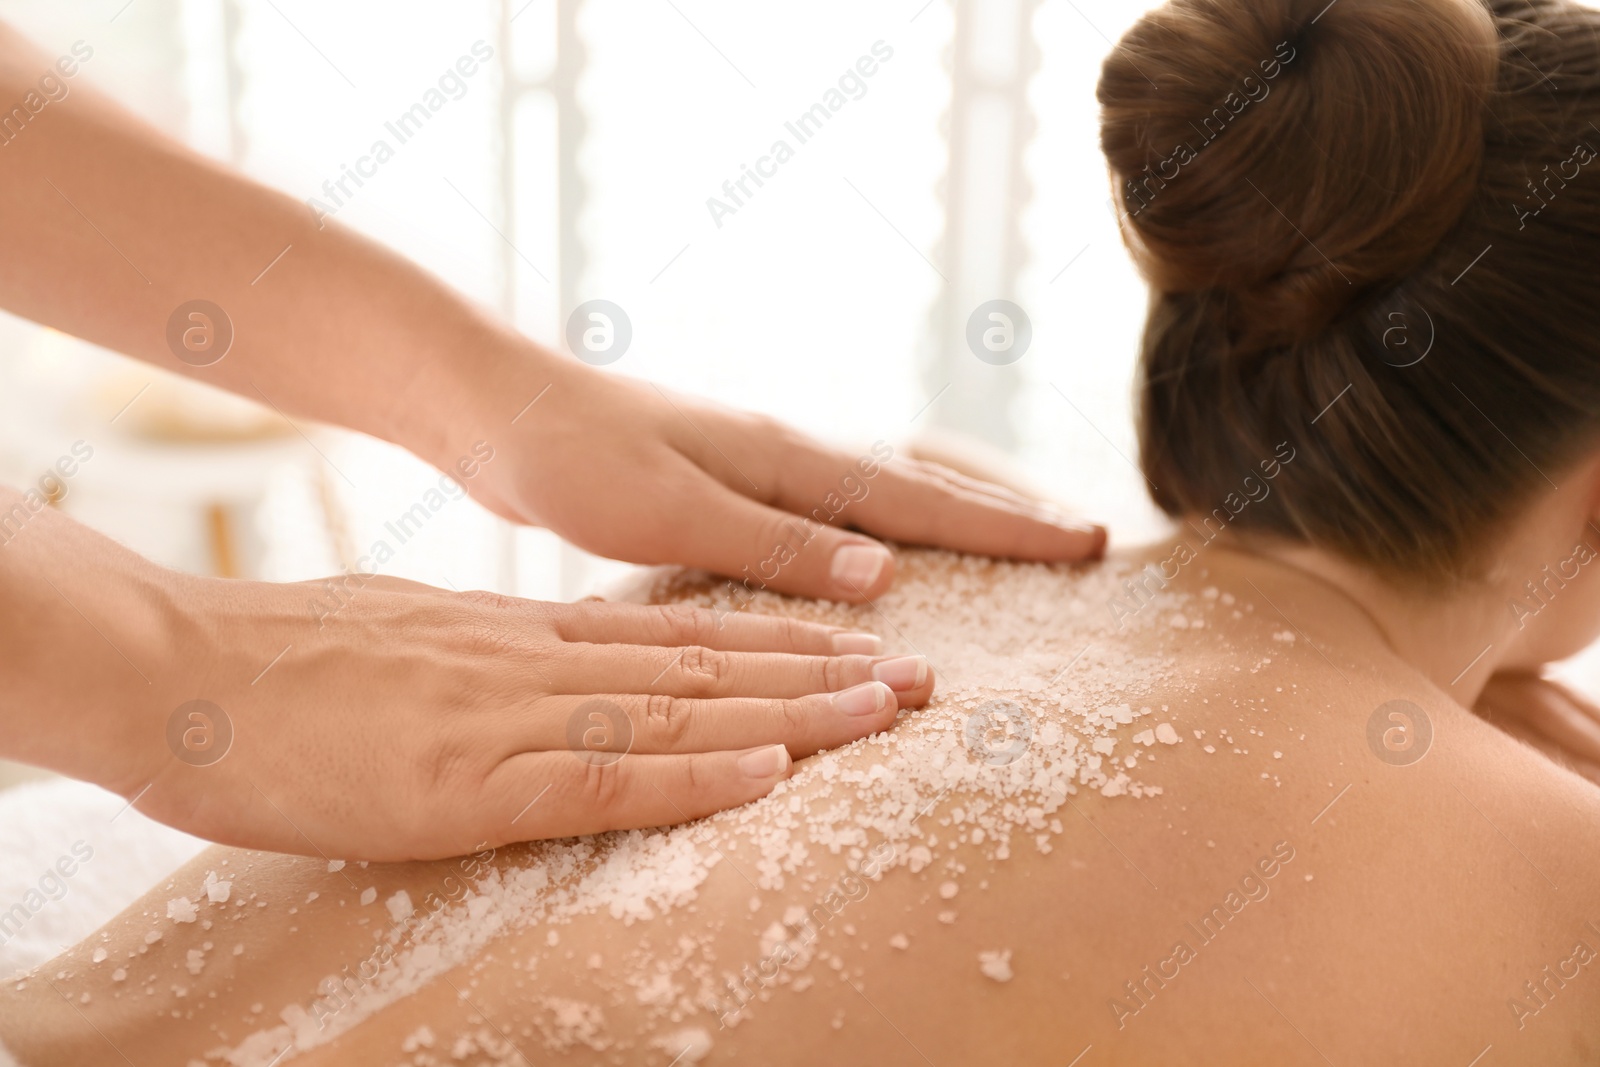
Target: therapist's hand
{"x":415,"y":723}
{"x":628,"y":470}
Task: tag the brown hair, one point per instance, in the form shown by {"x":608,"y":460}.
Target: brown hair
{"x":1370,"y":233}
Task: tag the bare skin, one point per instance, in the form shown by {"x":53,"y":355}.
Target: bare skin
{"x":1406,"y":907}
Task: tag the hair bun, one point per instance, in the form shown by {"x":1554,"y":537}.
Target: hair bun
{"x":1290,"y":154}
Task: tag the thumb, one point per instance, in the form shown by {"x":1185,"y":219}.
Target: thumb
{"x":760,"y":547}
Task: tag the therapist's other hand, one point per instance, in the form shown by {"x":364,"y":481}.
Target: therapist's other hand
{"x":628,"y":470}
{"x":416,"y":723}
{"x":1562,"y":724}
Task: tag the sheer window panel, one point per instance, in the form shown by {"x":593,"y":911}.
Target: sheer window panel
{"x":323,"y":87}
{"x":805,"y":303}
{"x":544,"y":567}
{"x":1086,"y":301}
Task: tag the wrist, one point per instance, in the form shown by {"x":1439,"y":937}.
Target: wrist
{"x":93,"y":660}
{"x":484,"y":391}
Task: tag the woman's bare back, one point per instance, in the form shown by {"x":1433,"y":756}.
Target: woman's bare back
{"x":1158,"y":811}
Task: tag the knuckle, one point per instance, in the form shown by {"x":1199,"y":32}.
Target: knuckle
{"x":793,"y":633}
{"x":600,"y":785}
{"x":687,"y":625}
{"x":703,"y":669}
{"x":834,"y":673}
{"x":794,"y":719}
{"x":485,"y":599}
{"x":667,"y":719}
{"x":694,"y":778}
{"x":442,"y":765}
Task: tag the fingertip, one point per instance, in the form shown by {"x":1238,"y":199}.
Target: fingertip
{"x":1101,"y":537}
{"x":770,"y":763}
{"x":861,"y":570}
{"x":853,"y":643}
{"x":1075,"y":542}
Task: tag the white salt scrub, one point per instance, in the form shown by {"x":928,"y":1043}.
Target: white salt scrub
{"x":996,"y":964}
{"x":217,"y":891}
{"x":1035,"y":696}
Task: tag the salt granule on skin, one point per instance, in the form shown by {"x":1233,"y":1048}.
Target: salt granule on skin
{"x":690,"y":1045}
{"x":181,"y":909}
{"x":1001,"y":632}
{"x":368,"y":895}
{"x":996,"y":964}
{"x":399,"y":905}
{"x":217,"y":891}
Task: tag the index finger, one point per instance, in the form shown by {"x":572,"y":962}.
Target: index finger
{"x":917,"y":503}
{"x":602,"y":623}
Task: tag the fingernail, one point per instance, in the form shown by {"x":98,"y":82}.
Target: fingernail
{"x":857,"y":644}
{"x":903,"y":672}
{"x":869,"y":698}
{"x":856,"y":567}
{"x":766,"y":762}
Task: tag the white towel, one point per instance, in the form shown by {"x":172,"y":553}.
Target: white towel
{"x":71,"y":857}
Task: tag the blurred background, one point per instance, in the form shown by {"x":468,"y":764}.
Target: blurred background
{"x":577,"y":164}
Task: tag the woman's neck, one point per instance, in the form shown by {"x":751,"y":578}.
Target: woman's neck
{"x":1457,"y":640}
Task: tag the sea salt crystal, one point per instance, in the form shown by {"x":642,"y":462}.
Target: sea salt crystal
{"x":1166,"y":734}
{"x":119,"y":975}
{"x":99,"y":955}
{"x":369,"y":894}
{"x":899,"y":941}
{"x":217,"y":891}
{"x":948,"y":890}
{"x":181,"y":909}
{"x":1145,"y":737}
{"x":690,"y":1045}
{"x":421,"y":1037}
{"x":399,"y":905}
{"x":996,"y":964}
{"x":195,"y":960}
{"x":335,"y":865}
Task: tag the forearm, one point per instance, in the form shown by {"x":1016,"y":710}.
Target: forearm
{"x":112,"y":226}
{"x":82,"y":646}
